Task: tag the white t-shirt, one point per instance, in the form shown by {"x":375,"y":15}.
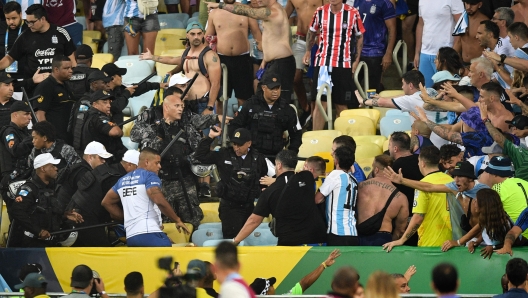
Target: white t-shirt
{"x":341,"y":220}
{"x":483,"y":164}
{"x":141,"y":214}
{"x":504,"y":47}
{"x":233,"y":289}
{"x":408,"y":103}
{"x":438,"y":23}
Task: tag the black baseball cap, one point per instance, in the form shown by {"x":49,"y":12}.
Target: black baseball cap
{"x":261,"y":285}
{"x":464,"y":169}
{"x":98,"y":76}
{"x":81,"y":276}
{"x":84,"y":52}
{"x":100,"y":95}
{"x":270,"y":79}
{"x":18,"y":106}
{"x":519,"y":121}
{"x":5,"y":77}
{"x":33,"y":280}
{"x":472,"y":2}
{"x":110,"y":69}
{"x":241,"y":136}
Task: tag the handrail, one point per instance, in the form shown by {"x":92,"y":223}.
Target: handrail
{"x":327,"y":117}
{"x":365,"y":79}
{"x":399,"y":44}
{"x":224,"y":99}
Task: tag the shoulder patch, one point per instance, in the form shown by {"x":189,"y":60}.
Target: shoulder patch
{"x":23,"y":192}
{"x":10,"y":137}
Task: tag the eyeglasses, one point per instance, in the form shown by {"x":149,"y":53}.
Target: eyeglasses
{"x":496,"y":19}
{"x":31,"y":23}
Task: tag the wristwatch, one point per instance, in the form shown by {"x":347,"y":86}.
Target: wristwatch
{"x":502,"y":58}
{"x":210,"y":108}
{"x":102,"y":293}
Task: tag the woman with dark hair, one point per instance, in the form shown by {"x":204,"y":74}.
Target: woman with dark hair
{"x":448,"y":59}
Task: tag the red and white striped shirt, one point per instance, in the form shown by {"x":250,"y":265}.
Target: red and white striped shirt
{"x":336,"y":35}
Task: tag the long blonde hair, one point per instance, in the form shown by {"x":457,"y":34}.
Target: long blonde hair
{"x":381,"y":285}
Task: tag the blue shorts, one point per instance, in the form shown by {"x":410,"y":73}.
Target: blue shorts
{"x":149,"y":240}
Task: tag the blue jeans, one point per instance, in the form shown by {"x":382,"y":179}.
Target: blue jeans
{"x":75,"y":31}
{"x":149,"y":240}
{"x":427,"y":68}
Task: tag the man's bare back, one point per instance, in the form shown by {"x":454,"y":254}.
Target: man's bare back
{"x":276,"y":34}
{"x":305,"y":10}
{"x":469,"y":43}
{"x":231,"y":31}
{"x":372,"y":197}
{"x":521,"y":11}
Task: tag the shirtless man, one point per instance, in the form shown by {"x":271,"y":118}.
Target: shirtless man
{"x":521,"y":11}
{"x":373,"y":212}
{"x":278,"y":55}
{"x":207,"y":86}
{"x":468,"y":45}
{"x":305,"y":10}
{"x":233,"y":49}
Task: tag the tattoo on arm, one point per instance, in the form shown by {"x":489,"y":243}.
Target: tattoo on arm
{"x":414,"y":142}
{"x":375,"y":102}
{"x":510,"y":237}
{"x":215,"y":58}
{"x":524,"y":108}
{"x":495,"y":134}
{"x":411,"y":233}
{"x":433,"y":108}
{"x":310,"y":39}
{"x":445,"y":133}
{"x":159,"y":58}
{"x":261,"y":13}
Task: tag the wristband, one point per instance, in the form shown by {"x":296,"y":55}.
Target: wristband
{"x":102,"y":293}
{"x":458,"y":242}
{"x":324,"y":265}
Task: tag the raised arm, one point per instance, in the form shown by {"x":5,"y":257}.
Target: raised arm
{"x":442,"y":131}
{"x":494,"y":133}
{"x":161,"y":59}
{"x":260,"y":13}
{"x":307,"y":281}
{"x":516,"y":101}
{"x":389,"y":173}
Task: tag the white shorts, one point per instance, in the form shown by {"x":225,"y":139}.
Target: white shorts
{"x":299,"y":49}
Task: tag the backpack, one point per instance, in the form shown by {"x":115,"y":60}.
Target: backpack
{"x":147,"y":7}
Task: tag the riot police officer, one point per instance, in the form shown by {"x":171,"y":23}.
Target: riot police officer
{"x":33,"y":210}
{"x":267,"y":116}
{"x":78,"y":82}
{"x":97,"y":126}
{"x":155,"y":128}
{"x":240,"y":170}
{"x":16,"y":146}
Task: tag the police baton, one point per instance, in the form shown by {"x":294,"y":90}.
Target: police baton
{"x":171,"y":143}
{"x":28,"y":102}
{"x":145,"y":79}
{"x":108,"y":224}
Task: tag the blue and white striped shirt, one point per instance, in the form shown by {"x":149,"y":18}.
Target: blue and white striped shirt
{"x":132,"y":9}
{"x":114,"y":13}
{"x":339,"y":208}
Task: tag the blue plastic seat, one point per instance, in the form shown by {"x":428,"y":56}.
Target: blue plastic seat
{"x":210,"y":225}
{"x":214,"y":243}
{"x":129,"y":144}
{"x":200,"y":236}
{"x":261,"y":237}
{"x":390,"y":124}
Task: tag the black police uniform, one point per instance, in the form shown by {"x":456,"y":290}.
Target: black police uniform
{"x":92,"y":188}
{"x":5,"y":112}
{"x":239,"y":185}
{"x":97,"y":126}
{"x":69,"y":184}
{"x":33,"y":210}
{"x":268,"y":124}
{"x":78,"y":82}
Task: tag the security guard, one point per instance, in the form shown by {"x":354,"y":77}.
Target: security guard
{"x":78,"y":82}
{"x":98,"y":127}
{"x":6,"y":98}
{"x":155,"y":128}
{"x":267,"y":116}
{"x":16,"y":146}
{"x":92,"y":188}
{"x":240,"y":170}
{"x":33,"y":210}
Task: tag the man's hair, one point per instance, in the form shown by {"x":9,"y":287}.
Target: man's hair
{"x":11,"y":6}
{"x":492,"y":87}
{"x":449,"y":150}
{"x":171,"y":91}
{"x":226,"y":254}
{"x":401,"y":140}
{"x":482,"y":64}
{"x":415,"y":77}
{"x":464,"y":90}
{"x":384,"y":160}
{"x":345,"y":278}
{"x":57,"y":61}
{"x":147,"y":152}
{"x":318,"y":163}
{"x":507,"y":14}
{"x":345,"y":140}
{"x":490,"y":26}
{"x":430,"y":155}
{"x":133,"y":283}
{"x":45,"y":129}
{"x":449,"y":60}
{"x":397,"y":275}
{"x":520,"y":29}
{"x":209,"y":276}
{"x":516,"y":270}
{"x":445,"y":277}
{"x":37,"y":10}
{"x":287,"y":158}
{"x":344,"y":157}
{"x":422,"y":128}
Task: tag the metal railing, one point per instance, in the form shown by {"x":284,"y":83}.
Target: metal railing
{"x":362,"y":90}
{"x":225,"y":101}
{"x":401,"y":68}
{"x":327,"y":115}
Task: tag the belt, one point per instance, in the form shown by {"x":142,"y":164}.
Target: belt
{"x":301,"y":37}
{"x":29,"y":234}
{"x":203,"y":99}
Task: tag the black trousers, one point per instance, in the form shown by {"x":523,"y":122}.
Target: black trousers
{"x":233,"y":217}
{"x":335,"y":240}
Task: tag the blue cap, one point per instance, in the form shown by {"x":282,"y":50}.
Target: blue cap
{"x":444,"y":75}
{"x":194,"y":25}
{"x":197,"y":267}
{"x":500,"y":166}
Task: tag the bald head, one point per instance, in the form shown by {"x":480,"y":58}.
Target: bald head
{"x":420,"y":128}
{"x":345,"y":281}
{"x":173,"y":107}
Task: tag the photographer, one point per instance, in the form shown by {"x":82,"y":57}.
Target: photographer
{"x":84,"y":284}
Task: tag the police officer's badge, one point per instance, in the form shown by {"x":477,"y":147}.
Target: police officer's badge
{"x":105,"y":93}
{"x":8,"y":75}
{"x":237,"y":135}
{"x":40,"y":99}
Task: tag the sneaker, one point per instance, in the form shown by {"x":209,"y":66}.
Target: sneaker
{"x":205,"y":190}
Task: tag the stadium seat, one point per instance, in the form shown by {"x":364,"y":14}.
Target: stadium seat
{"x":92,"y":38}
{"x":299,"y":166}
{"x":174,"y":235}
{"x":396,"y":112}
{"x":390,"y":124}
{"x":214,"y":243}
{"x":139,"y":103}
{"x":261,"y":237}
{"x":367,"y":150}
{"x":182,"y":17}
{"x":174,"y":53}
{"x":4,"y":224}
{"x":168,"y":39}
{"x":163,"y":69}
{"x":382,"y":111}
{"x":162,"y":8}
{"x":210,"y":206}
{"x":329,"y":163}
{"x":100,"y":59}
{"x":355,"y":125}
{"x":127,"y":127}
{"x":200,"y":236}
{"x":210,"y":225}
{"x":310,"y":146}
{"x":196,"y":14}
{"x":385,"y":146}
{"x":378,"y":140}
{"x":167,"y":21}
{"x":370,"y":113}
{"x":81,"y":20}
{"x":316,"y":133}
{"x":135,"y":69}
{"x":210,"y":216}
{"x":129,"y":144}
{"x":366,"y":164}
{"x":391,"y":93}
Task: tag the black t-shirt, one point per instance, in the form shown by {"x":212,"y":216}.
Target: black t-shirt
{"x":410,"y":170}
{"x":12,"y":35}
{"x":39,"y":48}
{"x":56,"y":100}
{"x":5,"y":112}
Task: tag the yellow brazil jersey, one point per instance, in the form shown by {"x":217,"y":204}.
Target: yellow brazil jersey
{"x":436,"y":225}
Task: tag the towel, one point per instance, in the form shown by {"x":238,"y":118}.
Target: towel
{"x":462,"y":25}
{"x":324,"y":77}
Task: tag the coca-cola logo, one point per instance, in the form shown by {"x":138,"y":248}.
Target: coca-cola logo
{"x":44,"y":53}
